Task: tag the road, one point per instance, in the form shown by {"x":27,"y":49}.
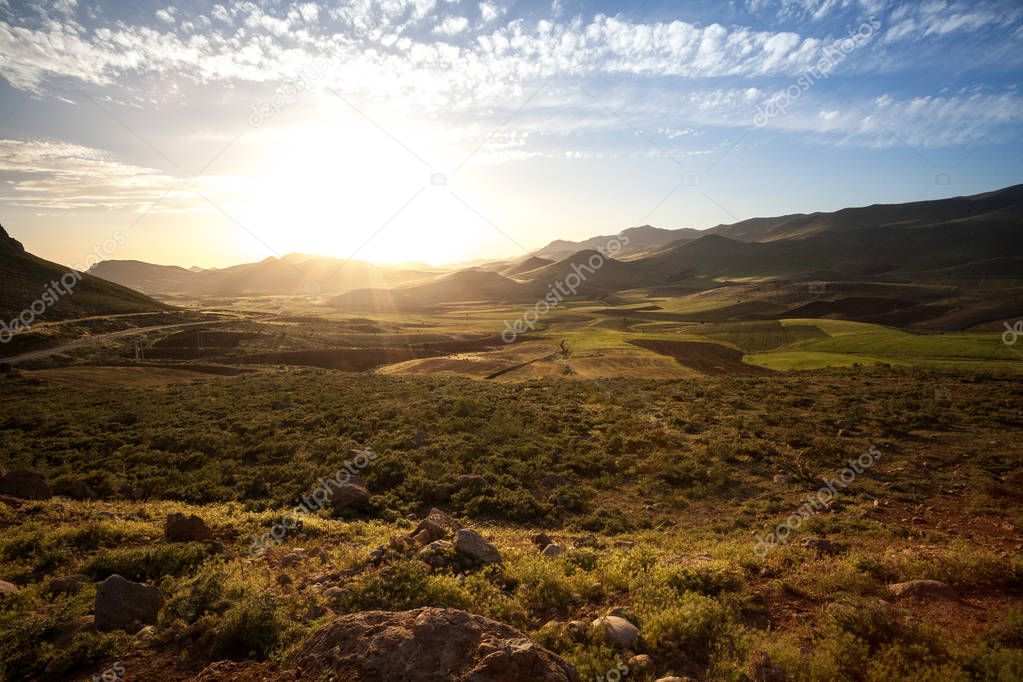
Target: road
{"x":88,"y":341}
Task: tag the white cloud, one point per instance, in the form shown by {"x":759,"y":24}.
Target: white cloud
{"x":452,"y":26}
{"x":489,"y":11}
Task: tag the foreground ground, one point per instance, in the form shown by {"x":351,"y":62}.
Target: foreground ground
{"x":657,"y":490}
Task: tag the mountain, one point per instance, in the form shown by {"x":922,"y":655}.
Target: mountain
{"x":472,"y":285}
{"x":646,"y":240}
{"x":293,"y":274}
{"x":611,"y":275}
{"x":639,"y":240}
{"x":29,"y":280}
{"x":525,"y":265}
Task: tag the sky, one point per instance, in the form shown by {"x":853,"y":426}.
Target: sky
{"x":208,"y":134}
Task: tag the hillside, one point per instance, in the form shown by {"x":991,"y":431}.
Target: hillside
{"x":464,"y":286}
{"x":27,"y":279}
{"x":292,"y":274}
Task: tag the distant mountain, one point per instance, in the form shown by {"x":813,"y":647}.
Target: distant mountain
{"x":292,"y":274}
{"x":611,"y":275}
{"x":472,"y":285}
{"x":28,"y":279}
{"x":639,"y":239}
{"x":525,"y":265}
{"x":643,"y":241}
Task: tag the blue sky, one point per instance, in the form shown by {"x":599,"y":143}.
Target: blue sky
{"x":444,"y":130}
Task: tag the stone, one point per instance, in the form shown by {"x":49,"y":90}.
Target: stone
{"x":586,"y":541}
{"x":552,"y":551}
{"x":616,"y":631}
{"x":437,"y":525}
{"x":427,"y":645}
{"x":291,"y":559}
{"x":334,"y":594}
{"x":473,"y":545}
{"x":624,"y":544}
{"x":541,"y":540}
{"x":7,"y":589}
{"x":25,"y":484}
{"x":823,"y":546}
{"x":641,"y":664}
{"x":349,"y":495}
{"x":922,"y":589}
{"x":75,"y":490}
{"x":67,"y":584}
{"x":125,"y":605}
{"x":181,"y":528}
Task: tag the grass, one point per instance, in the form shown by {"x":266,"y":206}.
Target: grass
{"x":686,"y":471}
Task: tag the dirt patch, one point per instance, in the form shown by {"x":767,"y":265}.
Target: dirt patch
{"x":708,"y":358}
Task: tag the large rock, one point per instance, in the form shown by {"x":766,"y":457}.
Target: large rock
{"x":75,"y":489}
{"x":7,"y":589}
{"x":427,"y":645}
{"x":436,"y":526}
{"x":616,"y":631}
{"x":124,"y":605}
{"x":473,"y":545}
{"x":181,"y":528}
{"x":25,"y":484}
{"x":922,"y":589}
{"x":353,"y":494}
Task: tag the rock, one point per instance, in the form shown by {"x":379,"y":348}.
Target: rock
{"x":75,"y":489}
{"x":473,"y":545}
{"x":67,"y":584}
{"x":124,"y":605}
{"x":7,"y":589}
{"x":576,"y":630}
{"x":146,"y":634}
{"x":823,"y":546}
{"x":541,"y":540}
{"x":427,"y":645}
{"x":470,"y":482}
{"x":436,"y":553}
{"x":334,"y":594}
{"x":105,"y":516}
{"x":616,"y":631}
{"x":349,"y":495}
{"x":291,"y":559}
{"x":922,"y":589}
{"x":25,"y":484}
{"x":781,"y":478}
{"x":551,"y":551}
{"x":624,"y":544}
{"x":438,"y":525}
{"x":641,"y":664}
{"x":621,"y":612}
{"x":181,"y":528}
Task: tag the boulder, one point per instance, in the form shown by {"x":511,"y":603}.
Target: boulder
{"x":67,"y":584}
{"x":75,"y":490}
{"x":473,"y":545}
{"x":551,"y":551}
{"x":427,"y":645}
{"x":124,"y":605}
{"x":437,"y":526}
{"x":25,"y":484}
{"x":616,"y":631}
{"x":541,"y":540}
{"x":181,"y":528}
{"x":349,"y":495}
{"x":823,"y":546}
{"x":922,"y":589}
